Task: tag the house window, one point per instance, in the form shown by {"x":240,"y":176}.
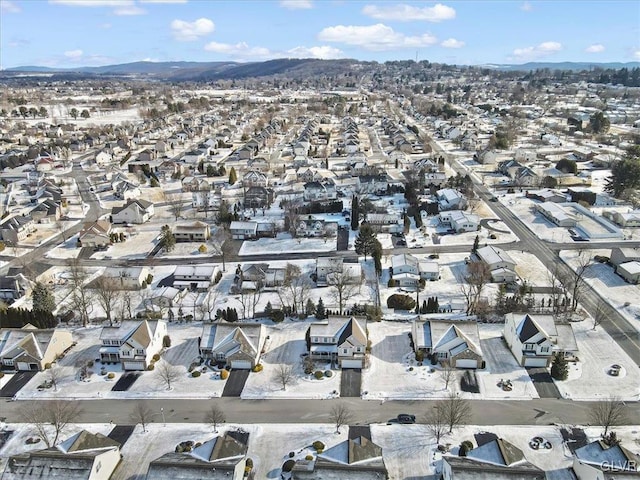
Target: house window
{"x":544,"y":349}
{"x":8,"y":362}
{"x":529,"y":346}
{"x":442,"y":354}
{"x":139,"y":351}
{"x":126,"y":353}
{"x":220,"y":356}
{"x":344,"y":350}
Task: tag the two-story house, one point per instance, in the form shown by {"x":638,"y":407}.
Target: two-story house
{"x":450,"y":199}
{"x":96,"y":234}
{"x":31,"y":349}
{"x":243,"y":230}
{"x":459,"y":221}
{"x":533,"y":339}
{"x":133,"y":211}
{"x":500,"y":264}
{"x":319,"y":191}
{"x":338,"y":340}
{"x":192,"y":232}
{"x":133,"y":343}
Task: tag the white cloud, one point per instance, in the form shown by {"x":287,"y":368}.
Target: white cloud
{"x":106,"y":26}
{"x":531,"y":53}
{"x":595,"y":48}
{"x":526,"y":6}
{"x":296,"y":4}
{"x":189,"y":31}
{"x":73,"y":53}
{"x":129,"y":10}
{"x":162,"y":1}
{"x":241,"y":49}
{"x":93,"y":3}
{"x":409,"y":13}
{"x":323,"y":51}
{"x":7,"y":6}
{"x":636,"y":53}
{"x":376,"y":37}
{"x":452,"y":43}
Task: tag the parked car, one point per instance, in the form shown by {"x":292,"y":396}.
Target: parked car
{"x":406,"y":419}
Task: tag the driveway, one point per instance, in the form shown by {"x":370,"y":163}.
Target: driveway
{"x":121,"y":433}
{"x":235,"y":383}
{"x":125,"y":381}
{"x":543,"y":382}
{"x":498,"y":357}
{"x":342,"y":241}
{"x":350,"y":382}
{"x":13,"y":386}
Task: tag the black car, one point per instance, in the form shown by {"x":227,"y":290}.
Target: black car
{"x":406,"y":419}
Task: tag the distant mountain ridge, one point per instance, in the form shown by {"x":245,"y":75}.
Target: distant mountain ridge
{"x":210,"y":71}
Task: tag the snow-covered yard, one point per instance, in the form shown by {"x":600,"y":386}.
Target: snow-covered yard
{"x":283,"y":243}
{"x":285,"y":346}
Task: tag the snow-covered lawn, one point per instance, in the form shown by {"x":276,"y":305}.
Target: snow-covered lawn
{"x":589,"y":378}
{"x":66,"y":249}
{"x":621,"y":295}
{"x":285,"y":244}
{"x":285,"y":346}
{"x":138,"y":245}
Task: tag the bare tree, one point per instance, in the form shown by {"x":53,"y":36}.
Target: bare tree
{"x":167,"y":374}
{"x":176,"y":204}
{"x":608,"y":413}
{"x":447,"y":374}
{"x":344,"y":287}
{"x":254,"y":298}
{"x":600,"y":314}
{"x":557,"y":290}
{"x":214,"y":417}
{"x":208,"y":304}
{"x":340,"y":415}
{"x":478,"y":275}
{"x":107,"y":294}
{"x":61,"y":225}
{"x":81,"y":297}
{"x":456,"y":410}
{"x":284,"y":375}
{"x":55,"y":375}
{"x":125,"y":305}
{"x":224,"y":240}
{"x":578,"y":283}
{"x":50,"y":419}
{"x":436,"y":422}
{"x":142,"y":414}
{"x":295,"y":289}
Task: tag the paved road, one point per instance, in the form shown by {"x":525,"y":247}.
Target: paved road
{"x":484,"y":412}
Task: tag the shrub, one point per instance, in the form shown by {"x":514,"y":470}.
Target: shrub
{"x":319,"y":374}
{"x":1,"y":374}
{"x":401,"y":302}
{"x":151,"y":367}
{"x":465,"y":447}
{"x":258,"y":368}
{"x":419,"y":356}
{"x":166,"y":341}
{"x":391,"y":283}
{"x":288,"y":465}
{"x":202,"y":249}
{"x":328,"y":373}
{"x":90,"y":363}
{"x":156,"y":357}
{"x":308,"y":458}
{"x":195,"y":373}
{"x":277,"y":316}
{"x":224,"y":374}
{"x":111,"y":375}
{"x":318,"y":446}
{"x":47,"y":366}
{"x":249,"y":463}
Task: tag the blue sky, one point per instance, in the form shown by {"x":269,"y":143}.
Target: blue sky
{"x":70,"y":33}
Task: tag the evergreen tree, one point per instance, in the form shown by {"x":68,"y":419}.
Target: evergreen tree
{"x":355,"y":213}
{"x":43,"y":299}
{"x":377,"y":257}
{"x":365,"y":241}
{"x":268,"y":309}
{"x":559,"y":367}
{"x":320,"y":311}
{"x":233,"y":176}
{"x":310,"y":307}
{"x":167,"y":240}
{"x":476,"y":244}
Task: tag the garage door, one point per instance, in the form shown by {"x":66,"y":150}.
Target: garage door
{"x":241,"y":364}
{"x":351,"y":363}
{"x":133,"y":365}
{"x":466,"y":363}
{"x":23,"y":366}
{"x":535,"y":362}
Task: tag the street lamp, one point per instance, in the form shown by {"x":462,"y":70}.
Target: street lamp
{"x":162,"y":412}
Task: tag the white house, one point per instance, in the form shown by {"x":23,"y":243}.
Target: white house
{"x":501,"y":265}
{"x":238,"y":346}
{"x":96,"y":234}
{"x":194,"y":277}
{"x":599,"y":461}
{"x":460,"y":221}
{"x":126,"y":278}
{"x":134,"y":211}
{"x":133,"y":343}
{"x":455,"y":342}
{"x":243,"y":230}
{"x":339,"y":340}
{"x":192,"y":232}
{"x":630,"y":271}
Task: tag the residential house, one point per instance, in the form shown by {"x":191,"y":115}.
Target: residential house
{"x":405,"y":270}
{"x":133,"y":343}
{"x":13,"y":285}
{"x":254,"y":178}
{"x":450,"y":199}
{"x":133,"y":211}
{"x":496,"y":459}
{"x":630,"y":271}
{"x":224,"y":457}
{"x":238,"y":347}
{"x":32,"y":349}
{"x":14,"y":230}
{"x":436,"y":179}
{"x":454,"y":342}
{"x":243,"y":230}
{"x":192,"y":232}
{"x":629,"y":219}
{"x":547,"y":195}
{"x":600,"y":461}
{"x":320,"y":191}
{"x":258,"y":197}
{"x":338,"y":340}
{"x":620,"y":255}
{"x":325,"y":266}
{"x":312,"y":227}
{"x":47,"y":211}
{"x":500,"y":264}
{"x":460,"y":221}
{"x":126,"y":278}
{"x":125,"y":189}
{"x":384,"y":222}
{"x":104,"y":158}
{"x":533,"y":339}
{"x":374,"y":184}
{"x":96,"y":234}
{"x":556,"y":214}
{"x":355,"y":459}
{"x":196,"y":278}
{"x":163,"y":297}
{"x":83,"y":456}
